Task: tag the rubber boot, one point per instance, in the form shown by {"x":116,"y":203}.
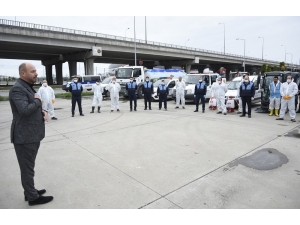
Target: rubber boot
{"x":271,"y":112}
{"x":276,"y":112}
{"x":93,"y":107}
{"x":98,"y":109}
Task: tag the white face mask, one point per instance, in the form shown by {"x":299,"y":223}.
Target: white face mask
{"x":97,"y":83}
{"x":246,"y":81}
{"x":131,"y":80}
{"x":200,"y":80}
{"x":288,"y":80}
{"x":75,"y":81}
{"x":220,"y":82}
{"x":163,"y":83}
{"x":114,"y":81}
{"x":147,"y":79}
{"x":45,"y":84}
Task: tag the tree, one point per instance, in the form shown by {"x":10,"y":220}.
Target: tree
{"x":264,"y":69}
{"x":276,"y":68}
{"x":282,"y":66}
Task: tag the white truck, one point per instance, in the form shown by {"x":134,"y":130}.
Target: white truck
{"x":139,"y":74}
{"x":191,"y":79}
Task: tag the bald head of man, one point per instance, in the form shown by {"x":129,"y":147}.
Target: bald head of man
{"x":28,"y":73}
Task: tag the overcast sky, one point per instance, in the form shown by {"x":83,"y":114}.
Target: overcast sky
{"x":202,"y":32}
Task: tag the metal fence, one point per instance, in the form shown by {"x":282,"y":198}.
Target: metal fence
{"x":112,"y":37}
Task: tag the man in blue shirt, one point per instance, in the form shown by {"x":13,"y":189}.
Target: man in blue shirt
{"x":162,"y":92}
{"x":131,"y":88}
{"x":76,"y":90}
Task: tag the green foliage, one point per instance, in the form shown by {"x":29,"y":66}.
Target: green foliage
{"x":264,"y":69}
{"x":276,"y":68}
{"x":3,"y":98}
{"x":282,"y":66}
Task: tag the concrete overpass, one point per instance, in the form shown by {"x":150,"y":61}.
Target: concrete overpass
{"x":55,"y":45}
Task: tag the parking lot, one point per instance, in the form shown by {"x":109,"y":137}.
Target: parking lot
{"x":158,"y":159}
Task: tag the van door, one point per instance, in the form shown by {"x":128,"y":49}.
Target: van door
{"x":171,"y":85}
{"x":257,"y":91}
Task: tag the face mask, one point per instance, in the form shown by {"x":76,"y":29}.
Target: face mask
{"x":288,"y":80}
{"x":131,"y":80}
{"x":97,"y":83}
{"x":163,"y":83}
{"x":246,"y":81}
{"x":200,"y":80}
{"x":75,"y":81}
{"x":147,"y":79}
{"x":220,"y":82}
{"x":45,"y":84}
{"x":114,"y":81}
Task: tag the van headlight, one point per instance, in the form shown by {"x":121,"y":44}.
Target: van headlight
{"x":189,"y":91}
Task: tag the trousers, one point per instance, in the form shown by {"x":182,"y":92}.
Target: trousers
{"x":26,"y":155}
{"x":180,"y":96}
{"x":198,"y":97}
{"x":132,"y":97}
{"x":162,"y":98}
{"x":78,"y":100}
{"x":147,"y":98}
{"x":246,"y":100}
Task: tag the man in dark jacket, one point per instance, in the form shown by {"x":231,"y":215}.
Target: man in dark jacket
{"x":162,"y":92}
{"x":247,"y":92}
{"x":76,"y":90}
{"x":200,"y":92}
{"x":147,"y":91}
{"x":131,"y":88}
{"x":27,"y":130}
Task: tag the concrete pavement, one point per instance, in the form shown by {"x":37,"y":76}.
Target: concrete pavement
{"x":156,"y":159}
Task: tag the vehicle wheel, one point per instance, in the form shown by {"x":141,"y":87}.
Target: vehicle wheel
{"x":139,"y":95}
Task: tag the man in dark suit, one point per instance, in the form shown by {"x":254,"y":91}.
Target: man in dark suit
{"x":27,"y":130}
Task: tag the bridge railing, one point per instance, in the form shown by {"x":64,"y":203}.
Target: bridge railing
{"x":107,"y":36}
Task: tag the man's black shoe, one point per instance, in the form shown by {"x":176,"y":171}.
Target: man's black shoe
{"x":130,"y":110}
{"x":134,"y":109}
{"x":159,"y":108}
{"x":41,"y":200}
{"x":242,"y":115}
{"x":219,"y":112}
{"x":150,"y":109}
{"x":40,"y":192}
{"x":249,"y":116}
{"x":203,"y":111}
{"x":81,"y":114}
{"x":196,"y":110}
{"x":53,"y":118}
{"x":72,"y":115}
{"x":145,"y":108}
{"x":176,"y":107}
{"x":239,"y":113}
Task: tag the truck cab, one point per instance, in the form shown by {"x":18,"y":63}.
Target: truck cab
{"x":139,"y":73}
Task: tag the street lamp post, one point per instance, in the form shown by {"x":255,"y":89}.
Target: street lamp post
{"x":284,"y":53}
{"x":145,"y":30}
{"x":126,"y":30}
{"x":262,"y":54}
{"x":291,"y":60}
{"x":224,"y":36}
{"x":186,"y":41}
{"x":244,"y":51}
{"x":134,"y":45}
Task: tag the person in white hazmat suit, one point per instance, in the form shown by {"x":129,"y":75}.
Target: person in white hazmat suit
{"x":240,"y":110}
{"x":97,"y":99}
{"x":218,"y":91}
{"x":114,"y":89}
{"x":180,"y":87}
{"x":288,"y":90}
{"x":48,"y":98}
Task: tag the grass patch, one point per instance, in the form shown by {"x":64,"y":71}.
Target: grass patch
{"x":69,"y":95}
{"x":3,"y":98}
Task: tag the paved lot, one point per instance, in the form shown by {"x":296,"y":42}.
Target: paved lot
{"x":157,"y":159}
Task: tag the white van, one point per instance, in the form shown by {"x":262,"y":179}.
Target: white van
{"x":233,"y":86}
{"x":191,"y":79}
{"x":87,"y":82}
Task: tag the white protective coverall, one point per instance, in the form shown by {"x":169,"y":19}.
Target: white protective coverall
{"x":98,"y":90}
{"x":240,"y":99}
{"x":274,"y":102}
{"x":114,"y":89}
{"x":47,"y":95}
{"x":180,"y":87}
{"x":218,"y":91}
{"x":290,"y":89}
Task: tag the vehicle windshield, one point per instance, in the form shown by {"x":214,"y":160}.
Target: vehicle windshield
{"x":124,"y":73}
{"x":106,"y":80}
{"x":158,"y":82}
{"x":233,"y":85}
{"x":191,"y":79}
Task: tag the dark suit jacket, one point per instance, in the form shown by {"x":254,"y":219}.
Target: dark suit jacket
{"x":28,"y":124}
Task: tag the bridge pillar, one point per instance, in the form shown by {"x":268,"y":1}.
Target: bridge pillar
{"x":49,"y":77}
{"x":89,"y":66}
{"x":59,"y":73}
{"x":188,"y":68}
{"x":72,"y":68}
